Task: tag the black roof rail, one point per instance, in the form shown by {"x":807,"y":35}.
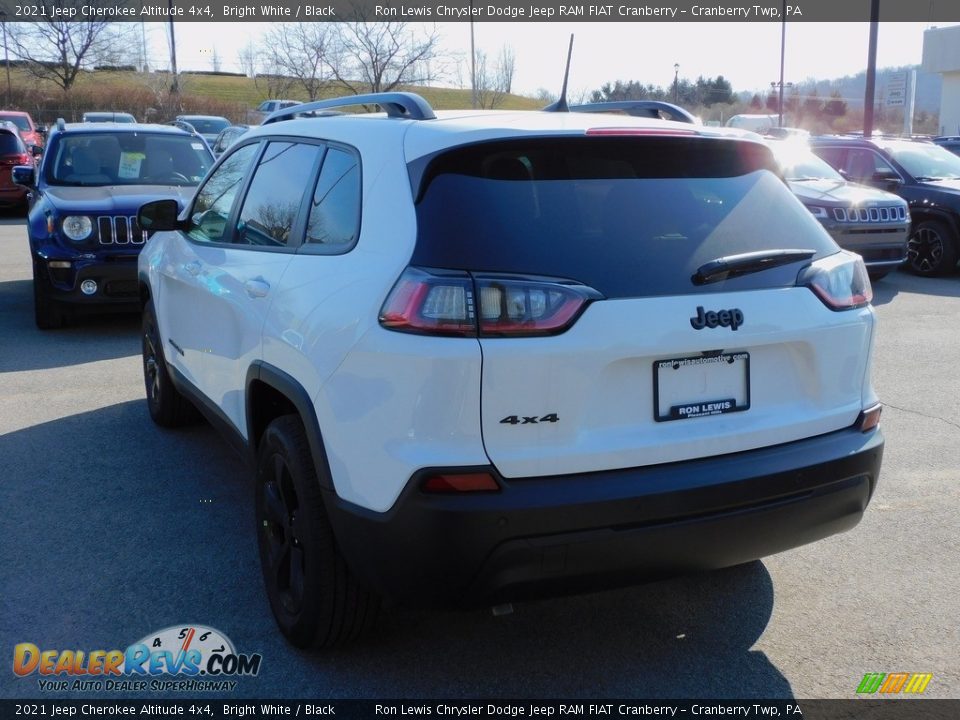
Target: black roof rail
{"x":638,"y":108}
{"x":406,"y":105}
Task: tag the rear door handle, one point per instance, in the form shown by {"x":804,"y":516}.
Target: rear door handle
{"x":257,"y":288}
{"x":193,"y":267}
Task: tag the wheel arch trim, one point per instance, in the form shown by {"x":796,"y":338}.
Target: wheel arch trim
{"x":927,"y":214}
{"x":290,"y":388}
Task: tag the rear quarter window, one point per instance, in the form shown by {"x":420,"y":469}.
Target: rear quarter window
{"x":627,"y":216}
{"x":10,"y":144}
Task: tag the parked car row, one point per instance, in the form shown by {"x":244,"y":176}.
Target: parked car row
{"x":924,"y":174}
{"x":898,"y":182}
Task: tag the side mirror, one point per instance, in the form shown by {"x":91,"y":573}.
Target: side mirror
{"x":25,"y":175}
{"x":43,"y":130}
{"x":36,"y":150}
{"x":159,"y":215}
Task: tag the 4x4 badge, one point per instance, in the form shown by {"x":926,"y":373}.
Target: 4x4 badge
{"x":732,"y":318}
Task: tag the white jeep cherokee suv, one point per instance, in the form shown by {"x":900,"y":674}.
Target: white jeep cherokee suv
{"x":480,"y":356}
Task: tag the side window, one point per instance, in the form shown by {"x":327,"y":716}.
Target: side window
{"x":833,"y":155}
{"x":864,"y":164}
{"x":335,"y":207}
{"x":211,"y":209}
{"x":276,"y":192}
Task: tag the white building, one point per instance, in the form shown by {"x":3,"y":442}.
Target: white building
{"x":941,"y":54}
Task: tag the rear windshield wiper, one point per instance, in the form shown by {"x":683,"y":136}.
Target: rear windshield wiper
{"x":734,"y":265}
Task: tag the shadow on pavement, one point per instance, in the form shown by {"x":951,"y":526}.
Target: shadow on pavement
{"x":689,"y":637}
{"x":86,"y":339}
{"x":116,"y":529}
{"x":943,"y":286}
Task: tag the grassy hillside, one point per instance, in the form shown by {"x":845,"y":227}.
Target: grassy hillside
{"x":146,"y":95}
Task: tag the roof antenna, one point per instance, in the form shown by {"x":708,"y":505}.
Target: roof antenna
{"x":561,"y":104}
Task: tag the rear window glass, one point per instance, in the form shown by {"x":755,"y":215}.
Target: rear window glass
{"x":208,"y":125}
{"x":627,"y":216}
{"x":19,"y":120}
{"x":10,"y":144}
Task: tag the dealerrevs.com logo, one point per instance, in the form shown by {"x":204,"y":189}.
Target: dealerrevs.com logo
{"x":186,"y":658}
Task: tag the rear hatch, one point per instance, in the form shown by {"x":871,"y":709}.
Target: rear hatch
{"x":637,"y":300}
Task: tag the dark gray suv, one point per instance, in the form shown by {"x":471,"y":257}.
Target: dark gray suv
{"x":924,"y":174}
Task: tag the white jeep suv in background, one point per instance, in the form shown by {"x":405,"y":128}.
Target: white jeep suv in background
{"x":476,"y":357}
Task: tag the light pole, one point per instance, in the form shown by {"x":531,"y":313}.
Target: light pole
{"x":175,"y":85}
{"x":473,"y":63}
{"x":868,"y":97}
{"x":781,"y":85}
{"x":783,"y":50}
{"x":6,"y":57}
{"x":676,"y":83}
{"x":143,"y":43}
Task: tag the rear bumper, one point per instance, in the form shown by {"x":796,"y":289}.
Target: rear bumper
{"x":555,"y":535}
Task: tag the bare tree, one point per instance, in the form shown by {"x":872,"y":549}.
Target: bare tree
{"x":303,"y":52}
{"x":269,"y":79}
{"x":506,"y":66}
{"x":57,"y":50}
{"x":247,"y":60}
{"x":493,"y":84}
{"x":379,"y":56}
{"x":215,"y":60}
{"x":120,"y":45}
{"x":165,"y":103}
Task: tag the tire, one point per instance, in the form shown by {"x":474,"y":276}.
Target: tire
{"x":168,"y":408}
{"x":47,"y":313}
{"x":315,"y":599}
{"x":932,"y":249}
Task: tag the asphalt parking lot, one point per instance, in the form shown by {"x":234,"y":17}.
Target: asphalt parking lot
{"x":112,"y":529}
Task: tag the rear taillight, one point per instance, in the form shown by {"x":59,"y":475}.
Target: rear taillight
{"x":431,"y":304}
{"x":20,"y":159}
{"x":514,"y":307}
{"x":440,"y":303}
{"x":839,"y":280}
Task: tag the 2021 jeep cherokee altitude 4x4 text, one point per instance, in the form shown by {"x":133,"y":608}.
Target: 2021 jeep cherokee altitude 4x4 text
{"x":481,"y":356}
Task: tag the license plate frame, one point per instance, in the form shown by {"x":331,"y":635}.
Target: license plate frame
{"x":727,"y":399}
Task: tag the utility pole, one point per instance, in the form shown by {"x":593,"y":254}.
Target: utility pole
{"x":783,"y":55}
{"x":6,"y":58}
{"x":473,"y":63}
{"x":175,"y":85}
{"x":871,"y":69}
{"x":676,"y":83}
{"x":143,"y":43}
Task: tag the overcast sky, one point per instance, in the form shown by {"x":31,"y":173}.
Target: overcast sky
{"x":747,"y":54}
